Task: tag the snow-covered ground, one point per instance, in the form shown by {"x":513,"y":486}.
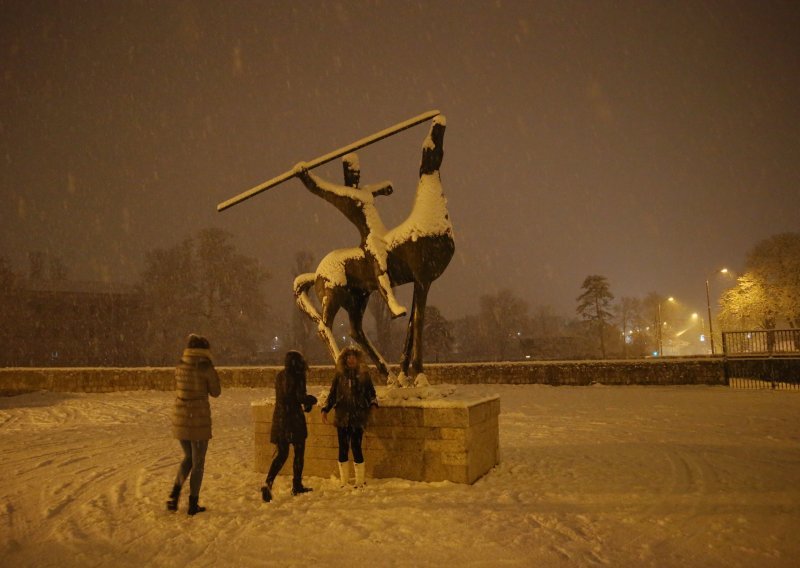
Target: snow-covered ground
{"x":617,"y":476}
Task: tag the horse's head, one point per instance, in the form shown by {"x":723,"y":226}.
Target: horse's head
{"x":433,"y":147}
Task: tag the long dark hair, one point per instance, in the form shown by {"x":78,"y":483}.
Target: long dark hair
{"x":295,"y":364}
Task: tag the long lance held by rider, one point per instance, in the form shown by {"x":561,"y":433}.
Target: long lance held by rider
{"x":329,"y":157}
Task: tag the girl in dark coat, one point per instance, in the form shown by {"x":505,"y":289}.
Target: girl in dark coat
{"x":195,"y":380}
{"x":289,"y":423}
{"x":352,"y":395}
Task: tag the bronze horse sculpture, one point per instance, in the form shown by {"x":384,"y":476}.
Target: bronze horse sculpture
{"x":419,"y":249}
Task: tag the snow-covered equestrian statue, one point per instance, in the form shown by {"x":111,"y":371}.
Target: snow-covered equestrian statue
{"x":419,"y":250}
{"x":416,"y":251}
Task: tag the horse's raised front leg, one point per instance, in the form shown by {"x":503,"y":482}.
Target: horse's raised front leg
{"x":330,"y":306}
{"x":356,"y":314}
{"x":302,"y":285}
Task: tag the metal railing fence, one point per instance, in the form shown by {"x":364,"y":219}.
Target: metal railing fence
{"x":761,"y":342}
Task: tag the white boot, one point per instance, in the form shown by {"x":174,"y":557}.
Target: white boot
{"x":344,"y":474}
{"x":360,"y":474}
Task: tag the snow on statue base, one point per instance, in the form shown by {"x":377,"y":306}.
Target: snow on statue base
{"x":419,"y":439}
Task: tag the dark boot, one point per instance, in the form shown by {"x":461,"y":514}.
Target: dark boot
{"x":299,"y":489}
{"x":266,"y":492}
{"x":172,"y":504}
{"x":194,"y":508}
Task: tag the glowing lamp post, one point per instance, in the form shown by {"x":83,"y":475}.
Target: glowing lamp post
{"x":660,"y":325}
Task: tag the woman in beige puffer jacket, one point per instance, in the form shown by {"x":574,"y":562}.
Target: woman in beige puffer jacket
{"x":195,"y":380}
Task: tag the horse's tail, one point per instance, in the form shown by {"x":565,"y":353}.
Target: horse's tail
{"x":302,"y":284}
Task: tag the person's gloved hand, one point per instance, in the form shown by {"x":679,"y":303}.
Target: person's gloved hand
{"x":308,"y":402}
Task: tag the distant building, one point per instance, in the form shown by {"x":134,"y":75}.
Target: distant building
{"x":70,"y":323}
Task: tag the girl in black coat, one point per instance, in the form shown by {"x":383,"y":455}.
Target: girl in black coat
{"x":352,"y":395}
{"x":289,"y":423}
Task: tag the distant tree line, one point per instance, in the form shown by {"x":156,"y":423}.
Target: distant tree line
{"x":765,"y":297}
{"x":203,"y":284}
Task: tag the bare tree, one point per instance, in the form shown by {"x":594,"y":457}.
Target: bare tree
{"x":629,"y":315}
{"x":650,"y":311}
{"x":202,"y":284}
{"x":438,"y":333}
{"x":594,"y":304}
{"x":545,"y":323}
{"x":502,"y":319}
{"x":467,"y":342}
{"x":383,"y":326}
{"x":302,"y":326}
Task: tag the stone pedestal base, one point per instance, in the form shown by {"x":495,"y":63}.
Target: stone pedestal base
{"x":450,"y":439}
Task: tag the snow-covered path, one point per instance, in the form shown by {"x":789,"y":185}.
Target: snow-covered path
{"x":617,"y":476}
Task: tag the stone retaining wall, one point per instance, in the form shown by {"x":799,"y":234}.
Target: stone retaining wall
{"x":421,"y":441}
{"x":639,"y":372}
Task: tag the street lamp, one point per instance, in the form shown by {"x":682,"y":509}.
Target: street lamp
{"x":660,"y":325}
{"x":695,"y":317}
{"x":708,"y":305}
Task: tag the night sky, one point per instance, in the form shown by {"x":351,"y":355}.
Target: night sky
{"x":649,"y":142}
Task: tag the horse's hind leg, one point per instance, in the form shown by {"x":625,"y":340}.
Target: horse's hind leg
{"x":356,"y":314}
